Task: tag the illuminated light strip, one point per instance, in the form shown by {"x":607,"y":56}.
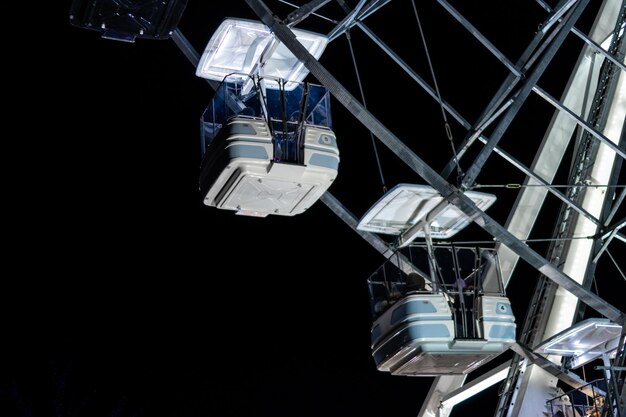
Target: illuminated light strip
{"x":248,"y":47}
{"x":477,"y":385}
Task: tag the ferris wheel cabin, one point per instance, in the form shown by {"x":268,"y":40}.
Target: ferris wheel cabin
{"x":437,"y":309}
{"x":271,"y":153}
{"x":450,"y":326}
{"x":267,"y":140}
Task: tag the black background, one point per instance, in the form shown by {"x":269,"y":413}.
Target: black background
{"x":129,"y":297}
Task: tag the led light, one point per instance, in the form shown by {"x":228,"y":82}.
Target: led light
{"x":240,"y":46}
{"x":407,"y":204}
{"x":584,"y":341}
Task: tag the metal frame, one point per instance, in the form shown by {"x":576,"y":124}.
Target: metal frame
{"x":499,"y":114}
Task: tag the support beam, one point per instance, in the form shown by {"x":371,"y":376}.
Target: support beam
{"x":567,"y":377}
{"x":448,"y":191}
{"x":531,"y":80}
{"x":441,"y":387}
{"x":304,"y":11}
{"x":476,"y":385}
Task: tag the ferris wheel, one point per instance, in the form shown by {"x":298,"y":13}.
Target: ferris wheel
{"x":530,"y":122}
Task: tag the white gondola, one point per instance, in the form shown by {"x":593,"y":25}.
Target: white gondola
{"x":267,"y":151}
{"x":267,"y":137}
{"x":444,"y":327}
{"x":454,"y":315}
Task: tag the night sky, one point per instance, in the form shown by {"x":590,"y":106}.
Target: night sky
{"x":133,"y":298}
